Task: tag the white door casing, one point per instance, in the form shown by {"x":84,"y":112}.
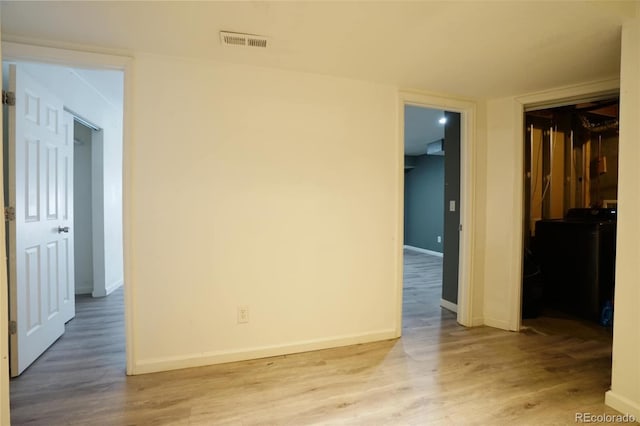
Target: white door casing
{"x":65,"y":194}
{"x":40,"y":189}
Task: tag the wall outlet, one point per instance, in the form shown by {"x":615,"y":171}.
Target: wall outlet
{"x":439,"y":238}
{"x":243,"y":314}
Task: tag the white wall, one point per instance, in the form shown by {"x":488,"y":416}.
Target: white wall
{"x":503,"y":212}
{"x":625,"y":380}
{"x":264,"y":188}
{"x":82,"y":200}
{"x":82,"y":98}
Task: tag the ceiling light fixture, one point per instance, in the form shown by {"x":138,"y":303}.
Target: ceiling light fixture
{"x":442,"y":120}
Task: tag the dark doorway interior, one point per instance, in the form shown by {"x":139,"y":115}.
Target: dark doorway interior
{"x":571,"y":187}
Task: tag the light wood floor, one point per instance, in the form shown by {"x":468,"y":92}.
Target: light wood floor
{"x":437,"y":373}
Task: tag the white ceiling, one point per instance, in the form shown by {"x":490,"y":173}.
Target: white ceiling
{"x":421,"y":127}
{"x":109,"y":84}
{"x":472,"y":48}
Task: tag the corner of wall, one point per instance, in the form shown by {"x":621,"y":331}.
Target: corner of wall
{"x":502,"y":198}
{"x":480,"y":196}
{"x":625,"y":372}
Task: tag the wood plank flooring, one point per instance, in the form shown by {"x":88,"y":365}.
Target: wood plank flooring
{"x":437,"y":373}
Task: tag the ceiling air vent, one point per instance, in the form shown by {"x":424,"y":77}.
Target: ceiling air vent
{"x":238,"y":39}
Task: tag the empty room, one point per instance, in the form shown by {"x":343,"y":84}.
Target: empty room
{"x":263,"y":201}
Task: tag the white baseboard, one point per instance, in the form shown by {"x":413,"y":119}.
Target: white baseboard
{"x":503,"y":325}
{"x":108,"y":289}
{"x":622,"y":404}
{"x":421,"y":250}
{"x":449,"y":305}
{"x":477,"y":321}
{"x":114,"y":286}
{"x":220,"y":357}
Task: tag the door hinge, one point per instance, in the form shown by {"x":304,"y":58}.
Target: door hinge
{"x":8,"y":98}
{"x":9,"y":214}
{"x":460,"y":228}
{"x":13,"y":327}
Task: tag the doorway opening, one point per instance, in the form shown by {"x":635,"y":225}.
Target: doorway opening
{"x":570,"y":211}
{"x":431,"y":212}
{"x":70,"y":153}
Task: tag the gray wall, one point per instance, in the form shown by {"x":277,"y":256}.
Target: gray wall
{"x":424,"y":202}
{"x":452,"y":215}
{"x":82,"y":223}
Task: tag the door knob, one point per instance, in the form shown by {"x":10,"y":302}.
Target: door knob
{"x":61,"y":229}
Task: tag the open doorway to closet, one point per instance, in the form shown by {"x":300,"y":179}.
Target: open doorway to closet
{"x":431,"y":213}
{"x":63,"y":174}
{"x":570,"y":208}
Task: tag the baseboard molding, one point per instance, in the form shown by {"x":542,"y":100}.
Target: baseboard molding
{"x":220,"y":357}
{"x":108,"y":289}
{"x":450,"y":306}
{"x":622,"y":404}
{"x":501,"y":324}
{"x":477,"y":321}
{"x":421,"y":250}
{"x":114,"y":286}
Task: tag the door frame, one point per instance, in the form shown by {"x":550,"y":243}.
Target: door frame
{"x":72,"y":58}
{"x":541,"y":100}
{"x":466,"y":313}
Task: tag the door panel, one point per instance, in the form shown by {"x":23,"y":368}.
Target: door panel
{"x":38,"y":253}
{"x":52,"y":283}
{"x":52,"y":181}
{"x":33,"y":285}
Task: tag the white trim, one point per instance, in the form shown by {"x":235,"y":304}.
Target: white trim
{"x":467,"y":109}
{"x":477,"y":321}
{"x":561,"y":95}
{"x":517,"y":231}
{"x":399,"y":216}
{"x":107,"y":289}
{"x":56,"y":56}
{"x":114,"y":286}
{"x":449,"y":306}
{"x":73,"y":58}
{"x":98,"y":214}
{"x":568,"y":95}
{"x":622,"y":404}
{"x":5,"y":417}
{"x":421,"y":250}
{"x":496,"y":323}
{"x":209,"y":358}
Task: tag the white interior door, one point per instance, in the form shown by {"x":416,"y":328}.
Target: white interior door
{"x":40,"y":238}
